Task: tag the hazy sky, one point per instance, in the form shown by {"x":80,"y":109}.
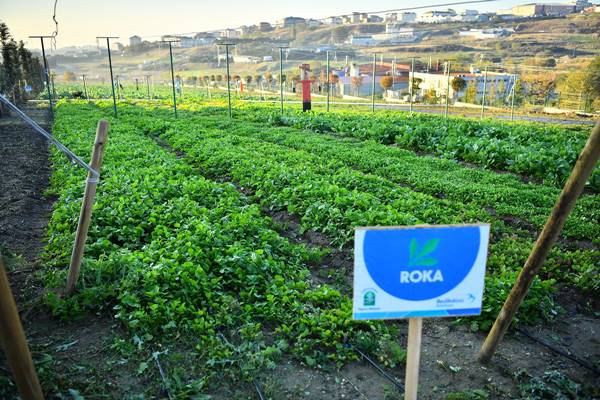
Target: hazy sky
{"x":80,"y":21}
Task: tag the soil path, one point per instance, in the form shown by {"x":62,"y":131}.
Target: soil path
{"x":25,"y":166}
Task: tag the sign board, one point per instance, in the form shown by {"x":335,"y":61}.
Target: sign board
{"x":419,"y":271}
{"x":28,"y":88}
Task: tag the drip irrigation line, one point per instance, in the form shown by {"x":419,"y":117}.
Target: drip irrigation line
{"x":70,"y":155}
{"x":571,"y":357}
{"x":383,"y":372}
{"x":258,"y":389}
{"x":162,"y":373}
{"x":254,"y":381}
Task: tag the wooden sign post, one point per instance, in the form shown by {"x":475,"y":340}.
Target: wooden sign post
{"x":85,"y":215}
{"x":413,"y":358}
{"x":415,"y":272}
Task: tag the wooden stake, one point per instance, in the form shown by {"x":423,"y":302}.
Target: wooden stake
{"x":14,"y":343}
{"x":86,"y":206}
{"x":583,"y":169}
{"x":415,"y":327}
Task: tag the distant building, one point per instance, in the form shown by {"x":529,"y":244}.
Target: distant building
{"x":433,"y":17}
{"x":313,"y":23}
{"x":246,"y":59}
{"x":229,"y":33}
{"x":486,"y":33}
{"x":468,"y":16}
{"x":362,"y":40}
{"x":245,"y":30}
{"x":288,"y":22}
{"x":375,"y":19}
{"x":265,"y":27}
{"x":391,"y":17}
{"x":540,"y":9}
{"x":395,"y":32}
{"x":437,"y":82}
{"x":135,"y":41}
{"x":407,"y":17}
{"x":334,"y":21}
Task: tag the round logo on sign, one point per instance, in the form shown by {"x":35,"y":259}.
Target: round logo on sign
{"x":420,"y":264}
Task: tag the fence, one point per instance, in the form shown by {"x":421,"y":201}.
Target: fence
{"x":337,"y":78}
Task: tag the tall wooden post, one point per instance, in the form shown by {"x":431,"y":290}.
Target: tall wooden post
{"x":86,"y":206}
{"x":583,"y":169}
{"x":14,"y":343}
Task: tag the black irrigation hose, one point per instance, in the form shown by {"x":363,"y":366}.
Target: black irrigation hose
{"x":254,"y":381}
{"x":385,"y":374}
{"x":258,"y":389}
{"x":577,"y":360}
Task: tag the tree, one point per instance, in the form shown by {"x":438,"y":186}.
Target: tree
{"x":386,"y":82}
{"x":69,"y":76}
{"x":10,"y":71}
{"x":31,"y":68}
{"x":471,"y":93}
{"x":357,"y":82}
{"x":257,"y":78}
{"x":593,"y":77}
{"x":219,"y":78}
{"x":248,"y":79}
{"x":458,"y":84}
{"x":416,"y":82}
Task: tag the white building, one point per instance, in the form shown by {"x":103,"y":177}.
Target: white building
{"x":362,"y":40}
{"x":391,"y":17}
{"x":407,"y":17}
{"x":395,"y":32}
{"x":437,"y":82}
{"x":486,"y":33}
{"x":313,"y":23}
{"x":435,"y":17}
{"x":229,"y":33}
{"x":334,"y":20}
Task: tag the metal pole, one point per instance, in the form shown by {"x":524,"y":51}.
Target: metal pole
{"x":147,"y":85}
{"x":47,"y":71}
{"x":228,"y":79}
{"x":85,"y":87}
{"x":281,"y":77}
{"x":411,"y":83}
{"x":484,"y":90}
{"x":512,"y":101}
{"x":112,"y":81}
{"x":373,"y":83}
{"x":328,"y":83}
{"x":173,"y":79}
{"x":447,"y":89}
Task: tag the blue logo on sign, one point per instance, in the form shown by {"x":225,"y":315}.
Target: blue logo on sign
{"x":420,"y":264}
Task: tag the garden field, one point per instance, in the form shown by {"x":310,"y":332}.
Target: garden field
{"x":224,"y":247}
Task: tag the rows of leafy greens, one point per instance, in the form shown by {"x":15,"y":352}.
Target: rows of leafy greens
{"x":176,"y":256}
{"x":542,"y":152}
{"x":332,"y":198}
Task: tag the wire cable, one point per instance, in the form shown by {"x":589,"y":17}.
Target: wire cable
{"x":55,"y":33}
{"x":384,"y":373}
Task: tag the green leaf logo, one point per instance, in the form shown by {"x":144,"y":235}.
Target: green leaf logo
{"x":419,"y":257}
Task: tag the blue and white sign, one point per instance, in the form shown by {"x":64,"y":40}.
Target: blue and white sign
{"x":419,"y":271}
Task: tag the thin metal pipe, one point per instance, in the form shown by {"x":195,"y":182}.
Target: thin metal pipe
{"x":112,"y":81}
{"x":328,"y":83}
{"x":373,"y":83}
{"x":447,"y":89}
{"x":85,"y":87}
{"x":484,"y":90}
{"x":228,"y":79}
{"x":47,"y":77}
{"x":173,"y":79}
{"x":411,"y":83}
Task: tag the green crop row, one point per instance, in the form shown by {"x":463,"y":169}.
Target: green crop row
{"x":539,"y":151}
{"x":173,"y":253}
